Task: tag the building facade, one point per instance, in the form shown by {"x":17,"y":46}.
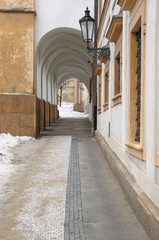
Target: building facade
{"x":40,"y":50}
{"x":128,"y":104}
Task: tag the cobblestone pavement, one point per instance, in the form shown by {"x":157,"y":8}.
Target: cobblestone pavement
{"x":74,"y":227}
{"x":32,"y":207}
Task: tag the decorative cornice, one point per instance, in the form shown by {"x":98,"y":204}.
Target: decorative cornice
{"x":98,"y":70}
{"x":105,"y":106}
{"x":18,"y":10}
{"x":126,"y":5}
{"x":115,"y":29}
{"x":117,"y":99}
{"x":99,"y":110}
{"x":102,"y":19}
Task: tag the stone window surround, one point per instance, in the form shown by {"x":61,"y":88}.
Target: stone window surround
{"x":114,"y":34}
{"x":99,"y":95}
{"x":98,"y":71}
{"x":100,"y":9}
{"x":117,"y":99}
{"x":137,"y":19}
{"x":106,"y":90}
{"x":126,"y":5}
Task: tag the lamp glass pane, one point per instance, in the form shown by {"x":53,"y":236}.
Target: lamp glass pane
{"x":84,"y":31}
{"x":90,"y":31}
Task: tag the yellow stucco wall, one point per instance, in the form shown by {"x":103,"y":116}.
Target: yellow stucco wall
{"x":16,"y":52}
{"x":17,"y":3}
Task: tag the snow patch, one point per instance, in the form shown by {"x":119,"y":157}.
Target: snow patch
{"x":66,"y":111}
{"x":7,"y":141}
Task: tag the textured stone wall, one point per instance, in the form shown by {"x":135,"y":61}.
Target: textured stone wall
{"x":52,"y":114}
{"x":16,"y":52}
{"x":47,"y":114}
{"x":78,"y":107}
{"x":17,"y":3}
{"x":19,"y":114}
{"x":42,"y":115}
{"x":56,"y":113}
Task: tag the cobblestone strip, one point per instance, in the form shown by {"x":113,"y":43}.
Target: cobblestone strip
{"x":74,"y":227}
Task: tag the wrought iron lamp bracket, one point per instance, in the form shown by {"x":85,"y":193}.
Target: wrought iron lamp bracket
{"x":102,"y":53}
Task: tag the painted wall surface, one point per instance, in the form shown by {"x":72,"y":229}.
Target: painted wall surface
{"x":17,"y":3}
{"x":145,"y":171}
{"x":116,"y":123}
{"x":105,"y":131}
{"x":68,"y":91}
{"x":16,"y":52}
{"x":157,"y":82}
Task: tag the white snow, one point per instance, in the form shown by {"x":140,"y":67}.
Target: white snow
{"x":7,"y":141}
{"x":66,"y":111}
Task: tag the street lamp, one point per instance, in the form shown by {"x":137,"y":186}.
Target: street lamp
{"x":87,"y":24}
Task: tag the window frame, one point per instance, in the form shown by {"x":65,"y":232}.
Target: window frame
{"x":106,"y":87}
{"x":138,"y":19}
{"x":117,"y":98}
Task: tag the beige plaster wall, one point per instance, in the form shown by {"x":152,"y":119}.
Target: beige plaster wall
{"x":16,"y":52}
{"x":17,"y":3}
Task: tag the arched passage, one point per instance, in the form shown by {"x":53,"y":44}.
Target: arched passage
{"x":60,"y":55}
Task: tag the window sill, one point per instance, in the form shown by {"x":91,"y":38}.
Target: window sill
{"x":99,"y":110}
{"x":117,"y":99}
{"x":135,"y":149}
{"x":105,"y":106}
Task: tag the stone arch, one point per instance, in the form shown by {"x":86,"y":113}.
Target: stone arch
{"x":60,"y":55}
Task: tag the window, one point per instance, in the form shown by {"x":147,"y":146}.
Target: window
{"x":98,"y":70}
{"x":106,"y":87}
{"x":138,"y":86}
{"x":135,"y":144}
{"x":99,"y":95}
{"x":135,"y":83}
{"x":114,"y":34}
{"x":106,"y":93}
{"x":117,"y":75}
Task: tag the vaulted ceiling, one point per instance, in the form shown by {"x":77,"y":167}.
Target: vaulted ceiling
{"x":61,"y":55}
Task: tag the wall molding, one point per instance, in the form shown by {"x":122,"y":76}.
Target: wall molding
{"x":18,"y":10}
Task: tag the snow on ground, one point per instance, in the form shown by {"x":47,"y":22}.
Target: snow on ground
{"x":66,"y":111}
{"x":42,"y":214}
{"x":7,"y":141}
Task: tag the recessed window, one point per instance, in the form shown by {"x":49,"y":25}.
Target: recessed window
{"x":138,"y":85}
{"x":106,"y":95}
{"x":99,"y":95}
{"x":106,"y":88}
{"x":137,"y":38}
{"x":117,"y":74}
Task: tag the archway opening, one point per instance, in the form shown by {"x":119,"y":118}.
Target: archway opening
{"x":73,"y":98}
{"x":60,"y":56}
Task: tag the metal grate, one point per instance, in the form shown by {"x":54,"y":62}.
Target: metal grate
{"x":138,"y":87}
